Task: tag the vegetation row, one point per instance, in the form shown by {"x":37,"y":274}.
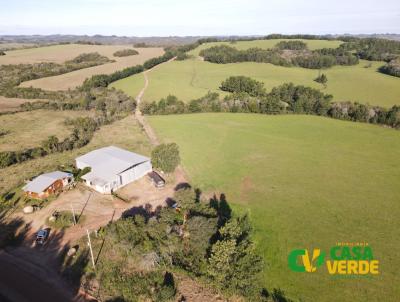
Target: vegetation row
{"x":249,"y":95}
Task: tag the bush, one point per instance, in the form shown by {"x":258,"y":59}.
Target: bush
{"x":392,"y":68}
{"x":243,"y":84}
{"x":292,"y":45}
{"x":64,"y":219}
{"x":125,"y":52}
{"x":165,"y":157}
{"x":321,"y":79}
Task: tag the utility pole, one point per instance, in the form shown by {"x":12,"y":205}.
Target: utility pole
{"x":73,"y":214}
{"x":90,"y":247}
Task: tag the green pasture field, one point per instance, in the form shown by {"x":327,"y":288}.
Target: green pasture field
{"x":130,"y":85}
{"x":265,"y":44}
{"x":307,"y":182}
{"x":194,"y":78}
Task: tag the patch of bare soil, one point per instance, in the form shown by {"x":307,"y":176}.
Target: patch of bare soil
{"x":191,"y":290}
{"x":12,"y":104}
{"x":246,"y":186}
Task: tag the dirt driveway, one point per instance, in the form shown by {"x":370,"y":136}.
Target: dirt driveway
{"x":98,"y":209}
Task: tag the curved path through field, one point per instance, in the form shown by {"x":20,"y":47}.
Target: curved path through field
{"x":180,"y":175}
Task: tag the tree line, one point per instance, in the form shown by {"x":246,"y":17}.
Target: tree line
{"x":249,"y":96}
{"x":13,"y":75}
{"x":103,"y":80}
{"x":315,"y":59}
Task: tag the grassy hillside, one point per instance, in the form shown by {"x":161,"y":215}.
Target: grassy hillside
{"x":307,"y":182}
{"x":131,"y":85}
{"x":29,"y":129}
{"x":194,"y":78}
{"x":241,"y":45}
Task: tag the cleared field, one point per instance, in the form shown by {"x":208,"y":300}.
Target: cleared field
{"x":73,"y":79}
{"x":124,"y":133}
{"x":194,"y":78}
{"x":59,"y":53}
{"x":307,"y":182}
{"x":28,"y":129}
{"x":242,"y":45}
{"x":15,"y":45}
{"x":12,"y":104}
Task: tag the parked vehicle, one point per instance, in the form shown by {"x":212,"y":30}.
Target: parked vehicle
{"x":42,"y":236}
{"x":156,"y":179}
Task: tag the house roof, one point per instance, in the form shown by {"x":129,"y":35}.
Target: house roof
{"x":108,"y":162}
{"x":42,"y":182}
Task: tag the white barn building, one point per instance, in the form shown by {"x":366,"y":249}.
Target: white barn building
{"x":112,"y":168}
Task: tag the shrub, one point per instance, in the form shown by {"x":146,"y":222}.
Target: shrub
{"x":64,"y":219}
{"x":292,"y":45}
{"x":243,"y":84}
{"x":125,"y":52}
{"x":322,"y":78}
{"x":165,"y":157}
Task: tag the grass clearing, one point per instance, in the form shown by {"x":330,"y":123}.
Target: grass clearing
{"x":307,"y":182}
{"x":125,"y":133}
{"x":194,"y":78}
{"x":29,"y":129}
{"x":75,"y":78}
{"x":265,"y":44}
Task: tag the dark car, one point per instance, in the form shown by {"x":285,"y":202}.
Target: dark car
{"x":42,"y":236}
{"x":156,"y":179}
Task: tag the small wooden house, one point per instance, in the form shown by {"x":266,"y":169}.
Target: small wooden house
{"x":47,"y":184}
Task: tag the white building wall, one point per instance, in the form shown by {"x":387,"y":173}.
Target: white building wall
{"x":81,"y":165}
{"x":135,"y":173}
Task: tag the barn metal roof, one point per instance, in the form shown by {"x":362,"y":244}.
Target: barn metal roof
{"x":108,"y":162}
{"x":42,"y":182}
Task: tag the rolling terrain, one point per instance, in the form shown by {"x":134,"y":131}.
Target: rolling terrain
{"x":307,"y":182}
{"x":193,"y":78}
{"x":265,"y":44}
{"x":62,"y":53}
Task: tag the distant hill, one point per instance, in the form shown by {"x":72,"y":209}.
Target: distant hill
{"x":151,"y":41}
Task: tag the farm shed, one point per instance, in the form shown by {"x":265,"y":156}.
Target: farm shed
{"x":46,"y":184}
{"x":112,"y":168}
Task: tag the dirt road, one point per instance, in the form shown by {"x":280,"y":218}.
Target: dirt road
{"x":21,"y":281}
{"x":180,"y":174}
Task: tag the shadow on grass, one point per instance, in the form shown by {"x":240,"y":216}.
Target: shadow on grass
{"x":32,"y":270}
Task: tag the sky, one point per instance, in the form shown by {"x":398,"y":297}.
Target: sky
{"x":201,"y":17}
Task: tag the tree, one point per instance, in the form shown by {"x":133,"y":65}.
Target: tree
{"x":51,"y":144}
{"x":243,"y":84}
{"x":166,"y":157}
{"x":233,"y":263}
